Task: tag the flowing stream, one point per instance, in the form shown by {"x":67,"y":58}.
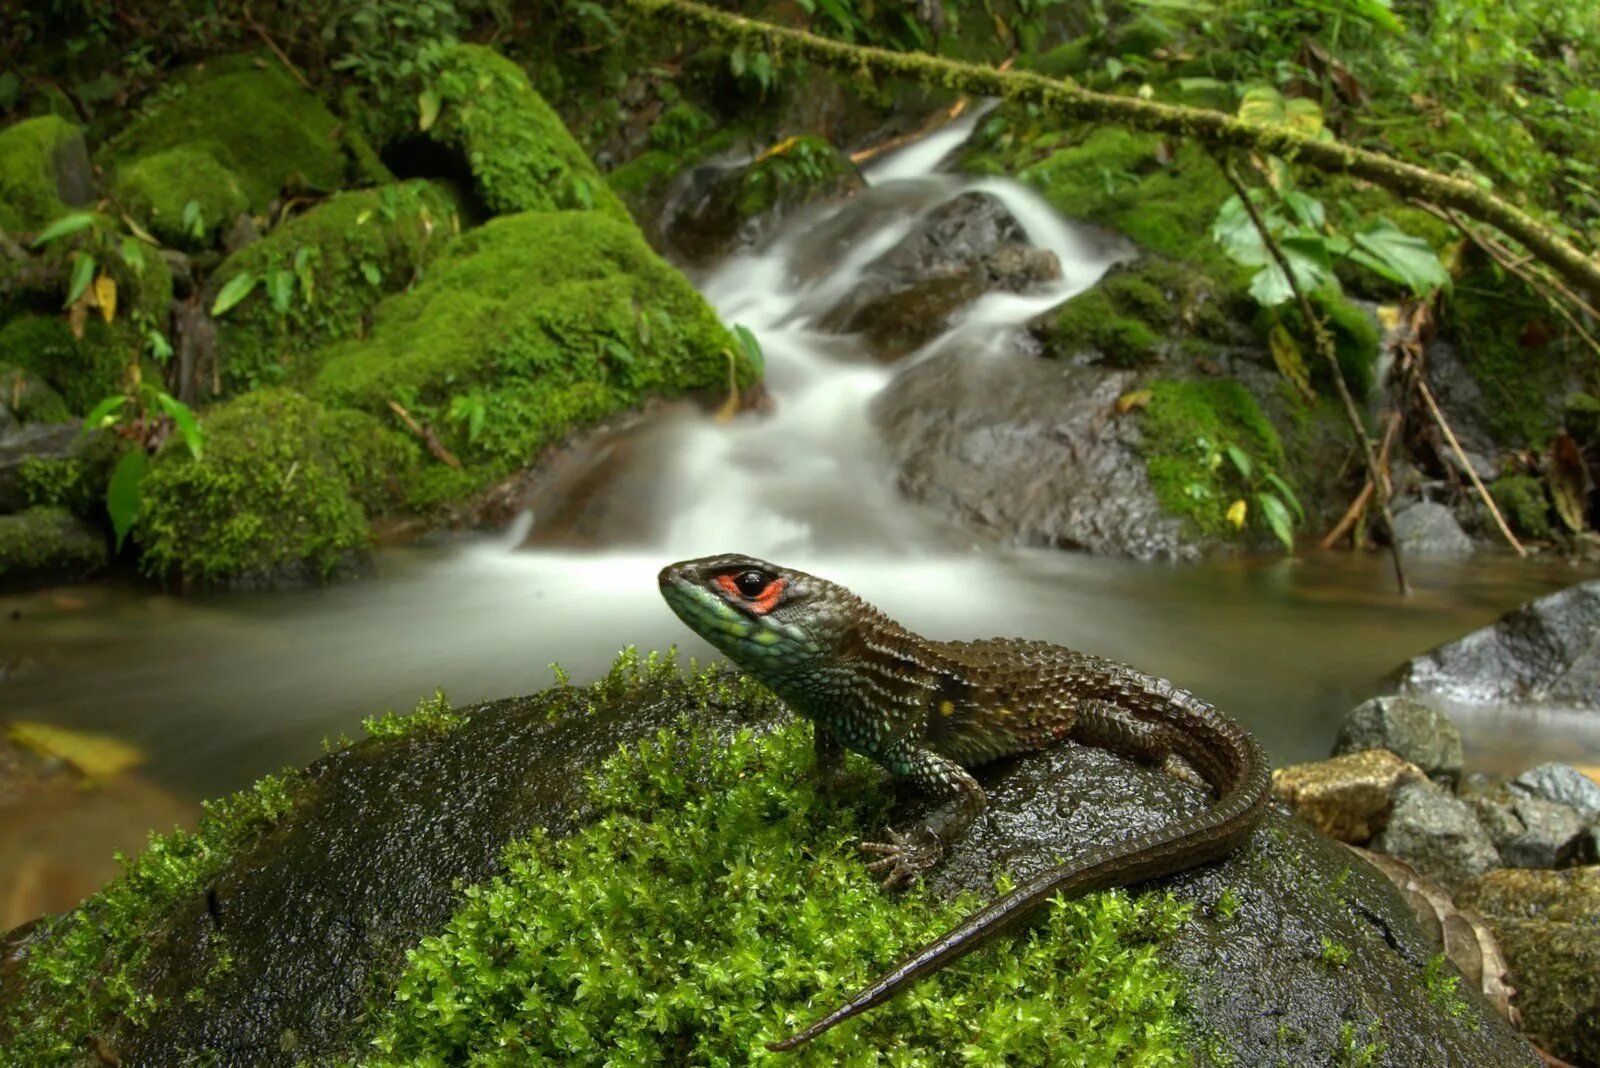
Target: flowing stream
{"x":220,"y":689}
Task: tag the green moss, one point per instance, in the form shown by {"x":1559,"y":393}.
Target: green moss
{"x":1443,"y":984}
{"x":254,"y":120}
{"x":29,"y":398}
{"x":83,"y":968}
{"x":680,"y":127}
{"x":804,"y":168}
{"x":1063,"y":61}
{"x":83,"y":371}
{"x":380,"y":465}
{"x":1137,"y":312}
{"x":352,"y":250}
{"x":1356,"y":338}
{"x":524,"y":330}
{"x":60,"y":482}
{"x":29,"y":195}
{"x":647,"y":175}
{"x":157,"y":189}
{"x":46,"y":544}
{"x":432,"y":715}
{"x":698,"y":917}
{"x":522,"y":158}
{"x":1523,"y":502}
{"x":1091,"y":321}
{"x":1186,"y":426}
{"x":269,"y":501}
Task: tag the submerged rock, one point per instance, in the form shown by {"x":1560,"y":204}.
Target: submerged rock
{"x":1543,"y":652}
{"x":1409,"y":729}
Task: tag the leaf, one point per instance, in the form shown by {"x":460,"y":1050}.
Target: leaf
{"x":239,"y":287}
{"x":1400,"y":257}
{"x":1307,"y":255}
{"x":1291,"y":363}
{"x":751,"y":347}
{"x":1303,"y":116}
{"x":1307,"y":209}
{"x":1238,"y":511}
{"x":1286,"y":493}
{"x":1278,"y":519}
{"x":280,"y":290}
{"x":182,"y":417}
{"x":96,"y":756}
{"x":122,"y":493}
{"x":1195,"y":85}
{"x":192,"y":223}
{"x":160,"y":347}
{"x":100,"y":415}
{"x":133,"y":255}
{"x":1134,"y":398}
{"x":1240,"y":460}
{"x":105,"y":295}
{"x":305,"y":258}
{"x":1568,"y":479}
{"x":1262,"y":103}
{"x":619,"y":352}
{"x":428,"y":104}
{"x":67,"y":224}
{"x":370,"y":272}
{"x":82,"y":275}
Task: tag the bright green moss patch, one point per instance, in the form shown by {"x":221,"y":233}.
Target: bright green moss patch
{"x":525,"y":329}
{"x":521,"y":157}
{"x":1136,"y":313}
{"x":29,"y":195}
{"x":61,"y":482}
{"x":1187,"y":428}
{"x":1356,"y":338}
{"x":700,"y":916}
{"x":1525,"y":505}
{"x":320,"y":272}
{"x":252,"y":119}
{"x":84,"y":968}
{"x":158,"y":189}
{"x":432,"y":714}
{"x":83,"y":371}
{"x":269,"y":502}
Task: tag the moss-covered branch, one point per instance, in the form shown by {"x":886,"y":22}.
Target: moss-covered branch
{"x":1213,"y":128}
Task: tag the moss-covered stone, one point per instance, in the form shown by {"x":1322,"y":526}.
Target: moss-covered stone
{"x":84,"y":371}
{"x":1187,"y":427}
{"x":75,"y":483}
{"x":269,"y":503}
{"x":524,"y":330}
{"x":31,"y":157}
{"x":521,"y":157}
{"x":29,"y":398}
{"x":352,"y":250}
{"x":1356,"y":338}
{"x":252,"y":119}
{"x":1525,"y":505}
{"x":157,"y":190}
{"x":1139,"y":313}
{"x":1580,"y":415}
{"x":47,"y":544}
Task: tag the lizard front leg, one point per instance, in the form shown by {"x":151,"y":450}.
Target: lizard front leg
{"x":830,"y":757}
{"x":905,"y":856}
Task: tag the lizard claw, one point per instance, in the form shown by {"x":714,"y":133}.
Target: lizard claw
{"x":902,"y":858}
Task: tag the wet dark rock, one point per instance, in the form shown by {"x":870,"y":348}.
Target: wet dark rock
{"x":48,"y":546}
{"x":966,"y":247}
{"x":1027,"y":451}
{"x":1545,"y":924}
{"x":1438,"y":834}
{"x":1562,"y":784}
{"x":1348,"y":797}
{"x":1407,"y":728}
{"x":1543,"y":652}
{"x":1550,"y":835}
{"x":1429,"y":529}
{"x":35,"y":441}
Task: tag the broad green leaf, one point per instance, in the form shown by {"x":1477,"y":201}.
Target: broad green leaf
{"x":192,"y":222}
{"x":1307,"y":209}
{"x":184,"y":419}
{"x":82,"y":275}
{"x":160,"y":347}
{"x":1195,"y":85}
{"x":1378,"y":12}
{"x":370,"y":272}
{"x":133,"y":255}
{"x":1286,"y":354}
{"x":619,"y":352}
{"x":1286,"y":493}
{"x":100,"y":414}
{"x":1278,"y":519}
{"x":428,"y":104}
{"x":751,"y":347}
{"x":280,"y":290}
{"x":1307,"y":255}
{"x":1240,"y":460}
{"x":122,"y":493}
{"x":1262,"y":103}
{"x":1303,"y":116}
{"x":238,"y":287}
{"x":305,"y":258}
{"x":67,"y":224}
{"x":1400,"y":257}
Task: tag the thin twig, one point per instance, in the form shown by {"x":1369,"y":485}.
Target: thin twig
{"x":265,"y":36}
{"x":1477,"y":483}
{"x":1359,"y":505}
{"x":429,"y":438}
{"x":1325,"y":346}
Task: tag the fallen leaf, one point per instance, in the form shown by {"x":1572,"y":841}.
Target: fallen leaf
{"x":1136,"y":398}
{"x":105,"y":295}
{"x":97,"y":756}
{"x":1237,"y":512}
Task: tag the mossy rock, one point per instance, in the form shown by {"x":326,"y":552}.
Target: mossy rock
{"x":521,"y":156}
{"x":84,"y":372}
{"x":354,"y":249}
{"x":1525,"y":505}
{"x":29,"y":398}
{"x":45,"y":545}
{"x":251,"y":118}
{"x":1187,"y":427}
{"x":524,"y":330}
{"x":270,"y":504}
{"x":43,"y":172}
{"x":157,"y":190}
{"x":1357,"y":341}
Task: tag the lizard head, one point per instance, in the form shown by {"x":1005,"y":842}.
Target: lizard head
{"x":766,"y":618}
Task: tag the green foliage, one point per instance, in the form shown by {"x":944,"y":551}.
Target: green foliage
{"x":313,"y":288}
{"x":432,"y":715}
{"x":84,"y":967}
{"x":1443,"y":984}
{"x":29,"y":398}
{"x":29,"y":197}
{"x":392,"y":46}
{"x":699,"y":916}
{"x":789,"y":174}
{"x":82,"y":371}
{"x":182,"y":195}
{"x":1352,"y":1052}
{"x":1335,"y":954}
{"x":545,"y":321}
{"x":268,"y":498}
{"x":1525,"y":505}
{"x":64,"y":482}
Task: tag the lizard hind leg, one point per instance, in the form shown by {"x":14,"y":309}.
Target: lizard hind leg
{"x":1107,"y":725}
{"x":905,"y":856}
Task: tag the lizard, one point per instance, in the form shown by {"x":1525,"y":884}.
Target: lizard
{"x":927,"y":711}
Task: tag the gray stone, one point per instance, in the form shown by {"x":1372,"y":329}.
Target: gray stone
{"x":1429,"y":529}
{"x":1407,"y":728}
{"x":1550,"y":837}
{"x":46,"y":441}
{"x":1547,"y":651}
{"x":1563,"y":784}
{"x":1438,"y":834}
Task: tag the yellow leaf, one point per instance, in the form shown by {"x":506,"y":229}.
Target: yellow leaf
{"x":1136,"y":398}
{"x":778,"y":149}
{"x":1237,"y":511}
{"x":1286,"y":354}
{"x":1388,"y":316}
{"x":105,"y":295}
{"x":97,"y":756}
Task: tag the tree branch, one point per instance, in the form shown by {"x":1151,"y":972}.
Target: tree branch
{"x":1213,"y":128}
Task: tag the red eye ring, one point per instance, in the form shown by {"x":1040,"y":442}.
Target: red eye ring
{"x":760,"y":603}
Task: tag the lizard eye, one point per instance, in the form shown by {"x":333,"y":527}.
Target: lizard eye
{"x":751,"y":583}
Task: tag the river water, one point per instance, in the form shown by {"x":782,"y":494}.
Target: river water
{"x":219,"y":690}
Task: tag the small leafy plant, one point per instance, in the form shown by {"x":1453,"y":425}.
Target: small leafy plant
{"x":1275,"y":501}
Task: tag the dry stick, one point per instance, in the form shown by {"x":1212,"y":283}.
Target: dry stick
{"x":1449,"y":435}
{"x":1325,"y":346}
{"x":262,"y":33}
{"x":429,"y":438}
{"x":1212,"y":128}
{"x":1353,"y":513}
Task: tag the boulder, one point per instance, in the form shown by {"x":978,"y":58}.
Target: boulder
{"x":1542,"y":652}
{"x":1348,"y":797}
{"x":1545,"y":923}
{"x":1438,"y":834}
{"x":1429,"y":529}
{"x":44,"y":171}
{"x":1562,"y":784}
{"x":45,"y":546}
{"x":1027,"y":451}
{"x":22,"y":447}
{"x":1409,"y":729}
